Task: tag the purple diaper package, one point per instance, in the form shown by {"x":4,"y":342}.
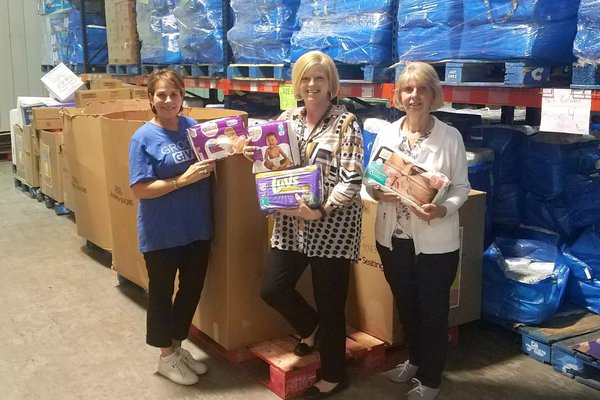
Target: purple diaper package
{"x":275,"y":148}
{"x":278,"y":189}
{"x":218,"y":138}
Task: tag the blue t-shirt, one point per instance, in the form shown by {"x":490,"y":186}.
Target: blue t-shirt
{"x":181,"y":216}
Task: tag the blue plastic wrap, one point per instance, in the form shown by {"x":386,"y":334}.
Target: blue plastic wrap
{"x":507,"y":205}
{"x":429,"y":30}
{"x":349,"y":31}
{"x":549,"y":214}
{"x":96,"y":38}
{"x":505,"y":141}
{"x":200,"y":25}
{"x":583,"y":199}
{"x":158,"y":31}
{"x":546,"y":159}
{"x":589,"y":158}
{"x":587,"y":40}
{"x":536,"y":233}
{"x":479,"y":12}
{"x":583,"y":259}
{"x":59,"y":32}
{"x":511,"y":300}
{"x":262,"y":30}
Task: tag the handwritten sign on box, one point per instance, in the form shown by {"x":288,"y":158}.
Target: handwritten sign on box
{"x":566,"y":110}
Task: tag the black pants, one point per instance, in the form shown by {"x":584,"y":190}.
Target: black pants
{"x":421,"y":288}
{"x":330,"y":285}
{"x":167,"y":319}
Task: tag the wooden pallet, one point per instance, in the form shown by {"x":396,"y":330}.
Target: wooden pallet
{"x":234,"y":355}
{"x":147,"y":69}
{"x":32,"y":191}
{"x":282,"y":72}
{"x":290,"y":375}
{"x":123,"y":69}
{"x":203,"y":70}
{"x":574,"y":364}
{"x":586,"y":76}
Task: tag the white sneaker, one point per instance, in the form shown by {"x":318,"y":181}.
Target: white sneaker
{"x":421,"y":392}
{"x":404,"y":372}
{"x":174,"y":368}
{"x":197,"y":366}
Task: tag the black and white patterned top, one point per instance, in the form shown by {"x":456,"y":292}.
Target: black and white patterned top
{"x":403,"y":230}
{"x":338,"y":236}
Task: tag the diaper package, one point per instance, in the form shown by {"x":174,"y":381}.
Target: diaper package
{"x":276,"y":149}
{"x":218,"y":138}
{"x":395,"y":172}
{"x":278,"y":189}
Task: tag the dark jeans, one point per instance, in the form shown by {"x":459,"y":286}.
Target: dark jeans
{"x":167,"y":319}
{"x":330,"y":286}
{"x":421,"y":288}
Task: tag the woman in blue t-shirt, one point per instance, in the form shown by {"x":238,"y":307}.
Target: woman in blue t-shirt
{"x":174,"y":223}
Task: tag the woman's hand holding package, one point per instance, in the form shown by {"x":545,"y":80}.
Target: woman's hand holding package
{"x":381,"y":195}
{"x":197,"y":171}
{"x":427,"y":212}
{"x":248,"y":151}
{"x":302,"y":211}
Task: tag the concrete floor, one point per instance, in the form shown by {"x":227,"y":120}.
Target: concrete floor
{"x":69,"y":331}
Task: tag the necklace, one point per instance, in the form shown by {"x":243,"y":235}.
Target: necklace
{"x":413,"y":137}
{"x":314,"y":128}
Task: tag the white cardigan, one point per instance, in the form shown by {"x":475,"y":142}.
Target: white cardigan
{"x":443,"y":151}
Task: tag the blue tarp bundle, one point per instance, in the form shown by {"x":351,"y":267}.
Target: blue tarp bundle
{"x":200,"y":25}
{"x":158,"y":31}
{"x":587,"y":40}
{"x":504,"y":297}
{"x":583,"y":199}
{"x":96,"y":38}
{"x":506,"y":208}
{"x":262,"y":30}
{"x":553,"y":215}
{"x":349,"y":31}
{"x":583,"y":259}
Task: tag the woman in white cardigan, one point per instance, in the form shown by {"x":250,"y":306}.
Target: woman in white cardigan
{"x":419,"y":246}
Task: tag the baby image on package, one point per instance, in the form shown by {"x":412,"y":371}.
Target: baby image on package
{"x":278,"y":189}
{"x":396,"y":172}
{"x":218,"y":138}
{"x":276,"y":150}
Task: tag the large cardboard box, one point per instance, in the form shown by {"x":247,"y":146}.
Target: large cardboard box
{"x":121,"y":31}
{"x":87,"y":168}
{"x":50,"y":165}
{"x":105,"y":82}
{"x":27,"y":162}
{"x":84,"y":98}
{"x":370,"y":306}
{"x":47,"y":118}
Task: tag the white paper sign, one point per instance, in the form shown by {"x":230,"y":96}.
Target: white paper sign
{"x":566,"y":110}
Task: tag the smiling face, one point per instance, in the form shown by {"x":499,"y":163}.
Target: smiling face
{"x":416,"y":97}
{"x":167,"y":99}
{"x":271,"y":140}
{"x":314,"y":86}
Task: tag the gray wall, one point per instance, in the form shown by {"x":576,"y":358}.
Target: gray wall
{"x":20,"y":54}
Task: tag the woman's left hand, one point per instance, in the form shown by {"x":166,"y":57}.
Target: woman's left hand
{"x":302,"y":211}
{"x":427,"y":212}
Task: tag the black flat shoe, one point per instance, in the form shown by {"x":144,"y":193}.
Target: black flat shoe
{"x":303,"y":349}
{"x":313,"y":393}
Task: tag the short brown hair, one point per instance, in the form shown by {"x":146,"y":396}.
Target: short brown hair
{"x":168,"y":75}
{"x":424,"y":74}
{"x":310,"y":59}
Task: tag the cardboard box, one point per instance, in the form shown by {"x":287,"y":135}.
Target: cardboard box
{"x":50,"y":167}
{"x":25,"y":105}
{"x":87,"y":168}
{"x":138,"y":92}
{"x":47,"y":118}
{"x":370,"y":306}
{"x":121,"y":31}
{"x":105,"y":82}
{"x":51,"y":6}
{"x":62,"y":83}
{"x":84,"y":98}
{"x":27,"y":162}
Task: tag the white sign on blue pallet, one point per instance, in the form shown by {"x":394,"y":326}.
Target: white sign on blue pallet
{"x":566,"y":111}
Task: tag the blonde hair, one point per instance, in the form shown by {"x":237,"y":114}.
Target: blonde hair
{"x":422,"y":73}
{"x":309,"y":60}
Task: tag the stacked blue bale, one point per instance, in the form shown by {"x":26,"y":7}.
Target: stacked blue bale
{"x":429,"y":30}
{"x":262,"y":30}
{"x":479,"y":163}
{"x":534,"y":30}
{"x":506,"y":201}
{"x":97,"y":50}
{"x":587,"y":40}
{"x":201,"y":33}
{"x":350,"y":31}
{"x":158,"y":31}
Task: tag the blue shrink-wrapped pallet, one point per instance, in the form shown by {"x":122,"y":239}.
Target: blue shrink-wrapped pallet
{"x":539,"y":31}
{"x":547,"y":158}
{"x":158,"y":31}
{"x":583,"y":199}
{"x":506,"y":207}
{"x":262,"y":30}
{"x":200,"y":25}
{"x":349,"y":31}
{"x":522,"y":281}
{"x":553,"y":215}
{"x":429,"y":30}
{"x":583,"y":259}
{"x":587,"y":41}
{"x":97,"y":50}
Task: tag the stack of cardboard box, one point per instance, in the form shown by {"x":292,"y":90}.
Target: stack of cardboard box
{"x":121,"y":31}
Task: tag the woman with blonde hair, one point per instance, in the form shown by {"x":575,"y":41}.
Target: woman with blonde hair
{"x":419,"y":246}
